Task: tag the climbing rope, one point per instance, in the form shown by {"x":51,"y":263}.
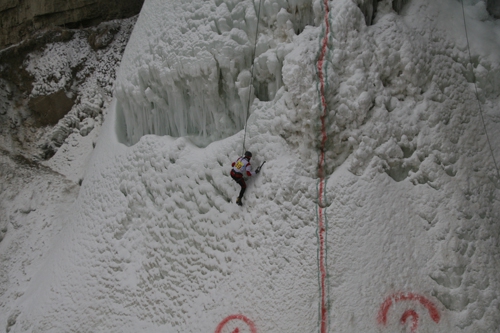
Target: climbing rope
{"x":322,"y":222}
{"x":251,"y":76}
{"x":479,"y":104}
{"x":477,"y":94}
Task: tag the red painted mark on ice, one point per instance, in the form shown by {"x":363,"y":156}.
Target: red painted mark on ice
{"x":321,"y":75}
{"x":410,"y":313}
{"x":399,"y":297}
{"x":321,"y":173}
{"x":240,"y":317}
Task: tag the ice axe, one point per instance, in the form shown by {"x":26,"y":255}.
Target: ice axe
{"x":260,"y":167}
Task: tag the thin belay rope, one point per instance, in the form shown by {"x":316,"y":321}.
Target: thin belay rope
{"x":251,"y":75}
{"x":477,"y":95}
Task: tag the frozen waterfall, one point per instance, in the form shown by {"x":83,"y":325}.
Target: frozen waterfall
{"x":196,"y":78}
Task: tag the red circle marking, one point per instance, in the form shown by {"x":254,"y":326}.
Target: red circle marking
{"x":384,"y":308}
{"x":247,"y":321}
{"x":410,"y":313}
{"x":398,"y":297}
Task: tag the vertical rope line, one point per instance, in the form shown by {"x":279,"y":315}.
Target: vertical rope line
{"x":321,"y":216}
{"x":251,"y":76}
{"x":327,"y":86}
{"x":477,"y":94}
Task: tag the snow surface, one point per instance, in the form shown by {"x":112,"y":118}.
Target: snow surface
{"x":154,"y":243}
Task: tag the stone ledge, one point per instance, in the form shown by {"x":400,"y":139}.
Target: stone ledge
{"x":51,"y":108}
{"x":8,"y":4}
{"x":21,"y":18}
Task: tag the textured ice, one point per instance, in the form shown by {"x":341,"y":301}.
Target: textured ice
{"x":195,"y":80}
{"x":154,"y":244}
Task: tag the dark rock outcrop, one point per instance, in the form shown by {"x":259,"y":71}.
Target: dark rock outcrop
{"x":21,"y":18}
{"x":49,"y":109}
{"x":103,"y":35}
{"x":493,"y":7}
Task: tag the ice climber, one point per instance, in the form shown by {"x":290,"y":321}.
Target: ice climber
{"x":241,"y":168}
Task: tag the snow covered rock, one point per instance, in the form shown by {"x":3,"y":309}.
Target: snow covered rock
{"x":55,"y":81}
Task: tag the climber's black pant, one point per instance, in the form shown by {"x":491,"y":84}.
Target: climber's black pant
{"x":238,"y":177}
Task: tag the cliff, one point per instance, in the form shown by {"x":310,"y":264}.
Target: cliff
{"x":493,"y":7}
{"x":20,"y":18}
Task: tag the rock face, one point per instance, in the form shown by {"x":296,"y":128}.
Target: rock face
{"x":55,"y":85}
{"x":493,"y":7}
{"x":51,"y":108}
{"x":20,"y":18}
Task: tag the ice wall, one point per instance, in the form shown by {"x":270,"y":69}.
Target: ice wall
{"x":188,"y":70}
